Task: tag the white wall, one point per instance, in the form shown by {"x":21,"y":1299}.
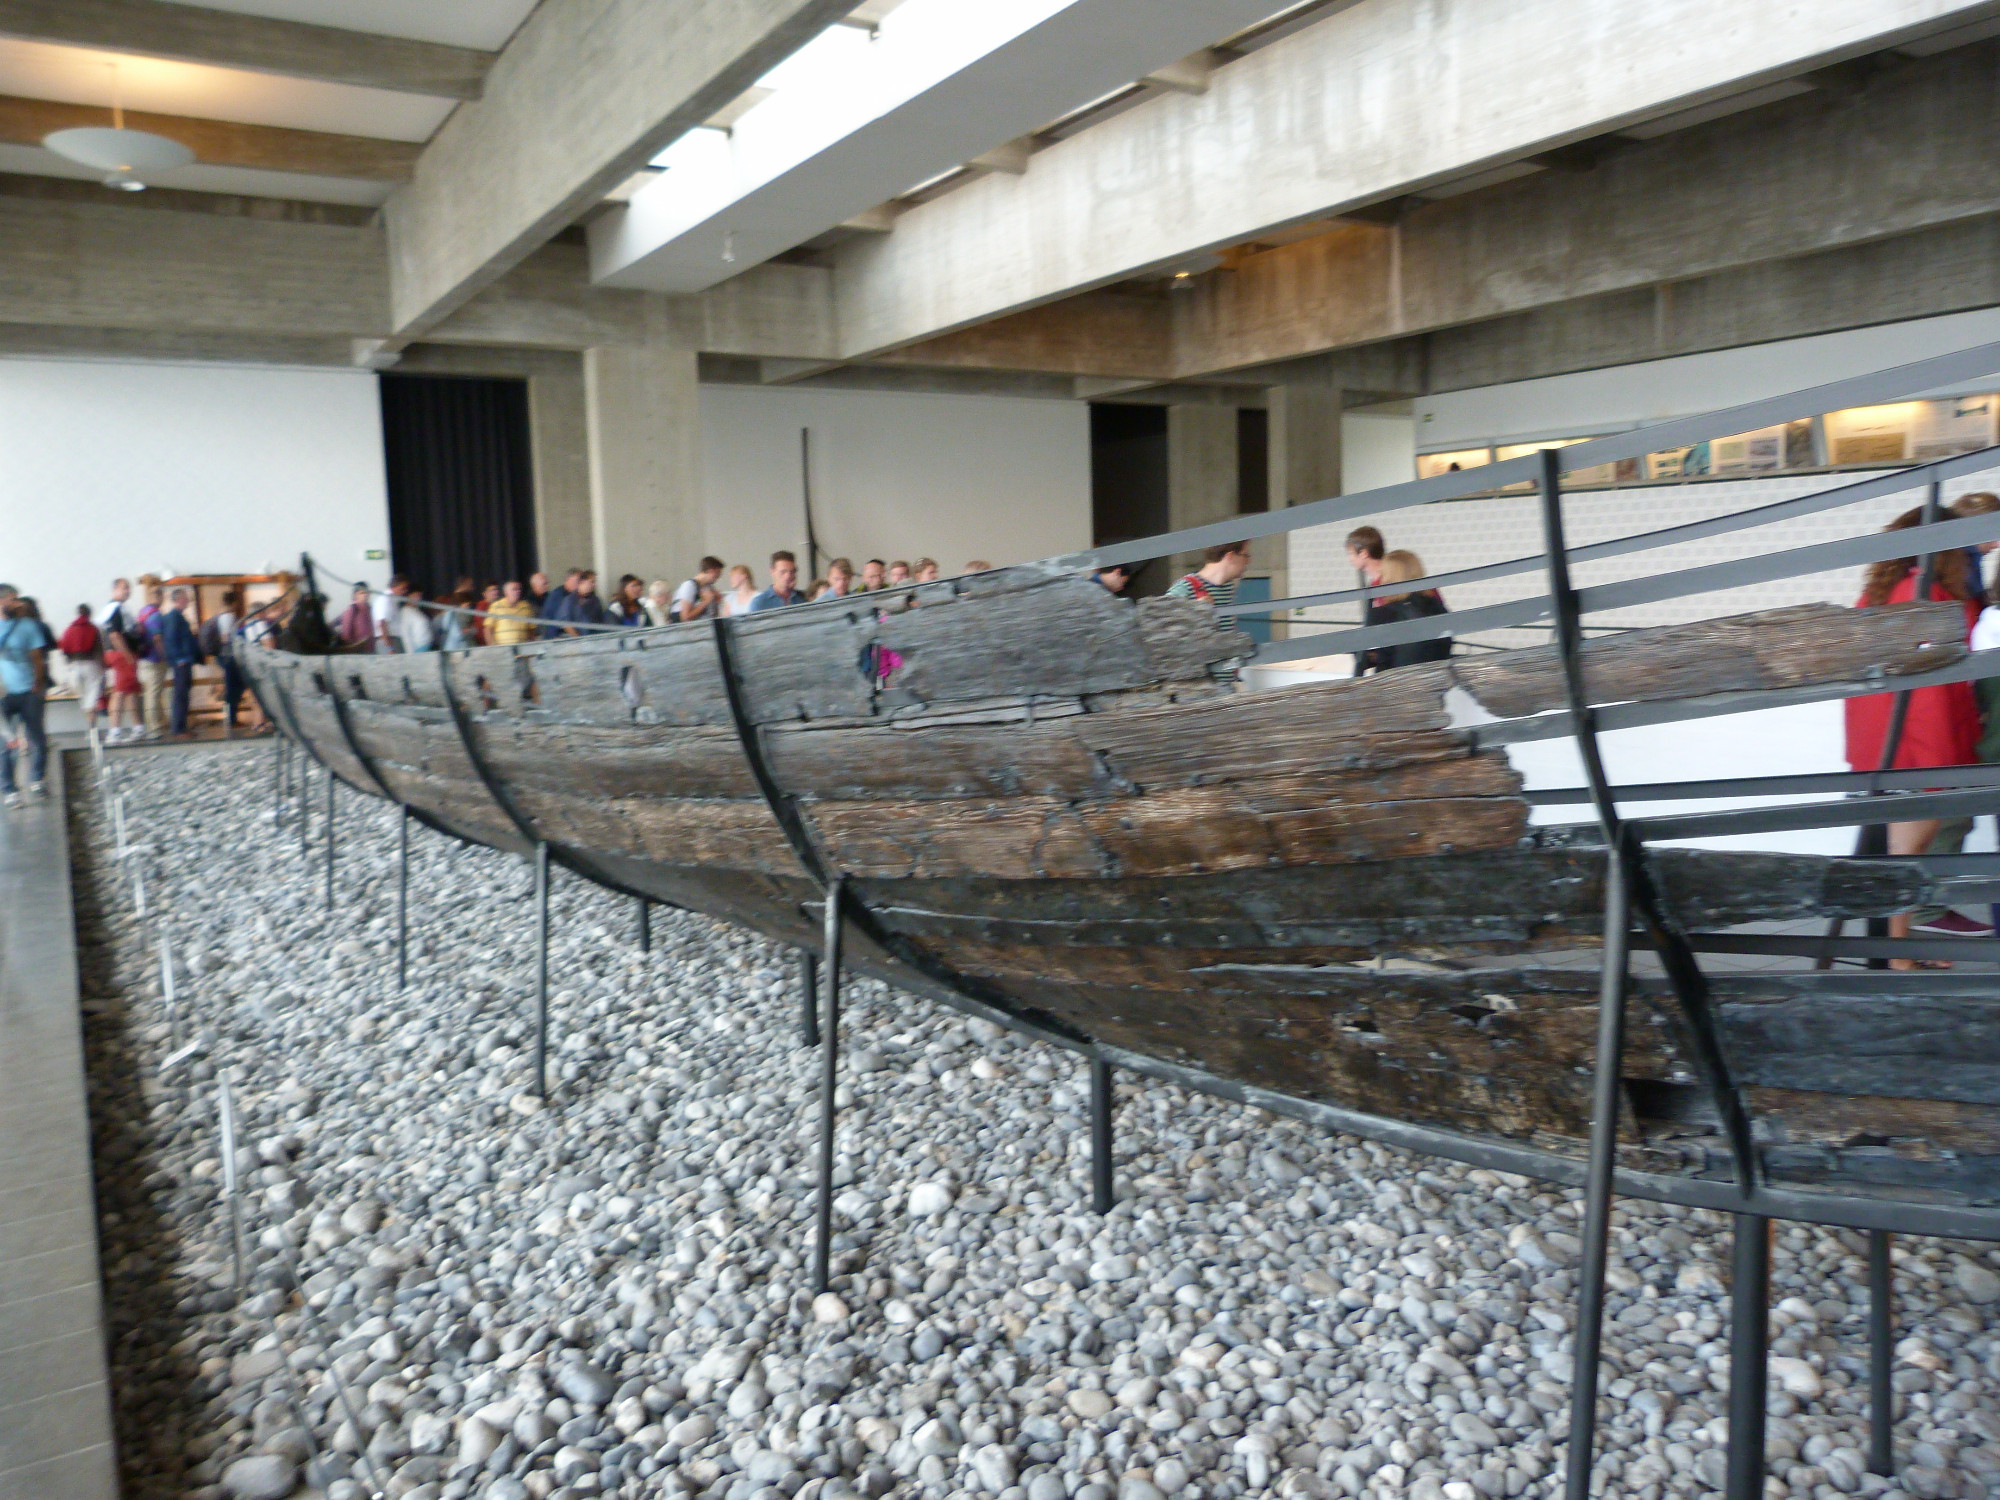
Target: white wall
{"x":1592,"y":402}
{"x":110,"y":469}
{"x":895,"y":476}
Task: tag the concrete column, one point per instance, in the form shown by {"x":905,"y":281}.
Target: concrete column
{"x":560,"y":427}
{"x":1304,"y":464}
{"x":1201,"y":471}
{"x":645,"y":462}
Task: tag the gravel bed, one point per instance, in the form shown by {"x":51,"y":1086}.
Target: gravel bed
{"x":455,"y":1291}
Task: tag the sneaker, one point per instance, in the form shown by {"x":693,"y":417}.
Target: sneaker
{"x":1951,"y":924}
{"x":37,"y":792}
{"x":12,"y":799}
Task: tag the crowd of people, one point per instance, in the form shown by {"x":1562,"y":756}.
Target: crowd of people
{"x":400,"y":618}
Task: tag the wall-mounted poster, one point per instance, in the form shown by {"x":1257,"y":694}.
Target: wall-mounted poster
{"x":1759,"y":452}
{"x":1871,"y":434}
{"x":1670,"y":464}
{"x":1430,"y":465}
{"x":1942,"y":428}
{"x":1576,"y":478}
{"x":1799,"y":453}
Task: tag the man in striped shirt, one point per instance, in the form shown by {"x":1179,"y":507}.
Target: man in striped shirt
{"x":1214,"y":582}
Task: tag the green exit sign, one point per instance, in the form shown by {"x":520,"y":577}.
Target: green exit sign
{"x":375,"y":554}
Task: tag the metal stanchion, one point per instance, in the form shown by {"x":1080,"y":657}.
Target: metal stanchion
{"x":277,"y":779}
{"x":1597,"y":1191}
{"x":167,"y":993}
{"x":305,"y":816}
{"x":1881,"y":1355}
{"x":1102,"y":1193}
{"x":808,"y":998}
{"x":331,"y":782}
{"x":403,"y":896}
{"x":829,"y":982}
{"x":1749,"y":1354}
{"x":542,"y":971}
{"x":227,"y":1108}
{"x":642,"y":923}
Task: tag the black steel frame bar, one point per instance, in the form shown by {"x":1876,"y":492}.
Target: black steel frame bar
{"x":642,"y":924}
{"x":1834,"y":945}
{"x":1860,"y":390}
{"x":1749,"y":1350}
{"x":808,"y":998}
{"x":1603,"y":1164}
{"x":494,"y":788}
{"x":1881,"y":1351}
{"x":1891,"y":807}
{"x":1627,"y":887}
{"x":1648,"y":541}
{"x":1103,"y":1179}
{"x":403,"y":897}
{"x":1770,"y":786}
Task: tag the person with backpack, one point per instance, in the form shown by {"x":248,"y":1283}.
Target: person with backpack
{"x":24,"y":684}
{"x":82,"y":647}
{"x":218,"y":644}
{"x":1214,"y":582}
{"x":181,"y":653}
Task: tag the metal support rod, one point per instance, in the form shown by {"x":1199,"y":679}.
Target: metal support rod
{"x":277,"y":779}
{"x":1881,"y":1355}
{"x":1749,"y":1353}
{"x":330,"y":840}
{"x":808,"y":998}
{"x":403,"y":896}
{"x":1102,"y":1196}
{"x":226,"y":1110}
{"x":542,"y":971}
{"x":305,"y":819}
{"x":642,"y":923}
{"x":1603,"y":1163}
{"x":829,"y":1051}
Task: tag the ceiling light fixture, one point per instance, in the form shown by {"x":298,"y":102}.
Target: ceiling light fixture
{"x":126,"y":157}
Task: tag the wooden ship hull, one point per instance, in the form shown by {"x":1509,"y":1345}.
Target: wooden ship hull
{"x":1055,"y":808}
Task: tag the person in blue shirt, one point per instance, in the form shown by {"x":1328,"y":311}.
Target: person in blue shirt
{"x":24,"y":682}
{"x":181,"y":652}
{"x":784,"y":574}
{"x":555,"y":604}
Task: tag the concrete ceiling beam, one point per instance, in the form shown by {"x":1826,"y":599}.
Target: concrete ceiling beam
{"x":943,"y":91}
{"x":227,"y":39}
{"x":584,"y":95}
{"x":1886,"y":167}
{"x":1344,"y":113}
{"x":223,"y":143}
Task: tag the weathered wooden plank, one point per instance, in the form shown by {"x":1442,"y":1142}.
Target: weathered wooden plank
{"x":1185,"y":639}
{"x":1944,"y":1047}
{"x":1006,"y":760}
{"x":635,"y":760}
{"x":1411,"y":811}
{"x":1919,"y":1129}
{"x":1320,"y":726}
{"x":1774,"y":648}
{"x":1422,"y":908}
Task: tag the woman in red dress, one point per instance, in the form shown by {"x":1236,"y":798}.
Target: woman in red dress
{"x":1942,"y":725}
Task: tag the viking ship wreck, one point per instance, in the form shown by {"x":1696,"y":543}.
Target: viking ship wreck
{"x":1058,"y":809}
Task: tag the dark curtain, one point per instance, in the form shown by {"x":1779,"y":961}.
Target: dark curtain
{"x":1128,"y":483}
{"x":461,"y":481}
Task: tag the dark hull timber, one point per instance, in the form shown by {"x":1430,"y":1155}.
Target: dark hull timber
{"x":1052,"y":808}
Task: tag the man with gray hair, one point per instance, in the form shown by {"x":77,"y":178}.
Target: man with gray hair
{"x":181,"y":652}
